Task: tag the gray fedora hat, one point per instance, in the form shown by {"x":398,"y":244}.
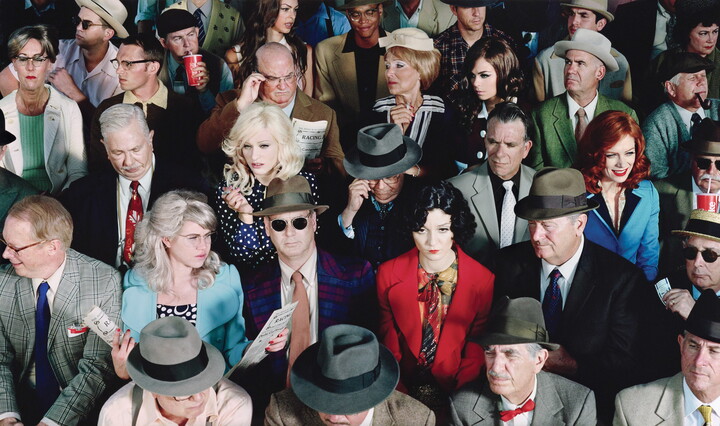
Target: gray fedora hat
{"x":171,"y":360}
{"x":597,"y":6}
{"x":291,"y":195}
{"x":5,"y":136}
{"x":346,"y":372}
{"x":516,"y":321}
{"x":382,"y":150}
{"x":591,"y":42}
{"x":555,"y":193}
{"x":112,"y":11}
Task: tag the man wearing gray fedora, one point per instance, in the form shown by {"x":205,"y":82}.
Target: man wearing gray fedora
{"x":590,"y":295}
{"x":347,"y":378}
{"x":515,"y":387}
{"x":176,"y":379}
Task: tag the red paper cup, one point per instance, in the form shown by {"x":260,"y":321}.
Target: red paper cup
{"x":707,"y":202}
{"x":190,"y":61}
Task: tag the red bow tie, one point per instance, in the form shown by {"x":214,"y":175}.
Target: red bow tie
{"x":508,"y":415}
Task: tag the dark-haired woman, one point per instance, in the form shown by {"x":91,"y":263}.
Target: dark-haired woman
{"x":431,"y":340}
{"x":612,"y":160}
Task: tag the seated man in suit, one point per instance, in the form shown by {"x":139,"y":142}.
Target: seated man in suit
{"x":669,"y":126}
{"x":514,"y":357}
{"x":590,"y":296}
{"x":107,"y":206}
{"x":276,"y":83}
{"x":364,"y":374}
{"x":690,"y":397}
{"x":678,"y":193}
{"x":503,"y":179}
{"x":561,"y":121}
{"x":53,"y":370}
{"x":173,"y":118}
{"x":14,"y":188}
{"x":329,"y":289}
{"x":431,"y":16}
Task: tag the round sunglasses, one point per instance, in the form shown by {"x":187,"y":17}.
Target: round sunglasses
{"x":708,"y":255}
{"x":299,"y":223}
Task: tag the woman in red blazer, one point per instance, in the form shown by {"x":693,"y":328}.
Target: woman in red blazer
{"x":434,"y":299}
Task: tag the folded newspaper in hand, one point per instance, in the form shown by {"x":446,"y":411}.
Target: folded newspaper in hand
{"x":101,"y":324}
{"x":309,"y":136}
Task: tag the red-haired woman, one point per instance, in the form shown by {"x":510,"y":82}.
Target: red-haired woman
{"x":612,"y":159}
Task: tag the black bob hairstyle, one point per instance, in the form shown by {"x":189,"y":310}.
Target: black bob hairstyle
{"x":450,"y":200}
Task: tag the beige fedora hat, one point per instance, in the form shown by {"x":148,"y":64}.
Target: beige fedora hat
{"x":597,"y":6}
{"x":112,"y":11}
{"x":591,"y":42}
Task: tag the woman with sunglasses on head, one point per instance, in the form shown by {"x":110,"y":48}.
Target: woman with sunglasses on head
{"x":611,"y":157}
{"x":261,"y":146}
{"x":177,"y":274}
{"x":272,"y":20}
{"x":49,"y":151}
{"x":435,"y":299}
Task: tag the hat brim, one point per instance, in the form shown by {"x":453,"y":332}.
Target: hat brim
{"x":360,"y":171}
{"x":561,"y":48}
{"x":114,"y":23}
{"x":353,"y":4}
{"x":683,"y":233}
{"x":306,"y":369}
{"x":6,"y":138}
{"x":605,"y":14}
{"x":524,"y":211}
{"x":470,"y":3}
{"x":206,"y":379}
{"x":506,"y":339}
{"x":319,"y":209}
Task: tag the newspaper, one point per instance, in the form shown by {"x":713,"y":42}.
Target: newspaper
{"x":100,"y":323}
{"x":279,"y":320}
{"x":309,"y":136}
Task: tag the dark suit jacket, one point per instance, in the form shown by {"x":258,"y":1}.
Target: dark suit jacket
{"x":676,"y":202}
{"x":92,"y":203}
{"x":13,"y":188}
{"x":558,"y":401}
{"x":599,"y":326}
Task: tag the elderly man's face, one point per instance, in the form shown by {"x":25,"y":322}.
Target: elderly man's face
{"x":470,"y":18}
{"x":138,"y":75}
{"x":683,"y":94}
{"x":281,"y":80}
{"x":28,"y":258}
{"x":343,"y":419}
{"x":705,"y":275}
{"x":506,"y":147}
{"x":700,"y":364}
{"x":386,"y":189}
{"x":708,"y":174}
{"x":583,"y":18}
{"x":182,"y":43}
{"x":556,"y":240}
{"x":130,"y":151}
{"x":583,"y":72}
{"x":511,"y":370}
{"x":364,"y":22}
{"x":292,"y":243}
{"x":180,"y":408}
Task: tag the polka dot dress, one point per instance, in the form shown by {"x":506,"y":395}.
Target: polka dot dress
{"x":188,"y":312}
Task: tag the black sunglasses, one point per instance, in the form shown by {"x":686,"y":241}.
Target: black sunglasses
{"x":298,"y":223}
{"x":85,"y":23}
{"x":704,"y":163}
{"x":708,"y":255}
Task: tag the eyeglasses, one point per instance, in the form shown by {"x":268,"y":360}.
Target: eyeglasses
{"x":196,"y":239}
{"x":192,"y":35}
{"x":704,"y":163}
{"x":85,"y":23}
{"x":127,"y":65}
{"x":274,"y":81}
{"x":390,"y":180}
{"x":298,"y":223}
{"x":708,"y":255}
{"x":17,"y":250}
{"x":37,"y":60}
{"x":369,"y":14}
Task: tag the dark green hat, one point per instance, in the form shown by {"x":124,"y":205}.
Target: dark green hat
{"x":517,"y":321}
{"x":686,"y":62}
{"x":290,"y":195}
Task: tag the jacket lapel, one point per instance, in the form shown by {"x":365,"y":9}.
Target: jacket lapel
{"x":486,"y":406}
{"x":27,"y":306}
{"x":65,"y":295}
{"x":669,"y":409}
{"x":563,"y":128}
{"x":51,"y":137}
{"x":582,"y":285}
{"x":521,"y":225}
{"x":382,"y":416}
{"x":548,"y":405}
{"x":404,"y":296}
{"x":484,"y":202}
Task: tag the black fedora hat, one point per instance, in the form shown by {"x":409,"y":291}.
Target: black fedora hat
{"x":705,"y":139}
{"x":291,"y":195}
{"x":687,"y":62}
{"x":346,"y":372}
{"x":704,"y":318}
{"x":516,"y":321}
{"x":5,"y":136}
{"x":555,"y":193}
{"x":382,"y":151}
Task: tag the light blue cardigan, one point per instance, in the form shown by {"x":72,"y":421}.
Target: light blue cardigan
{"x":219,"y":311}
{"x":638,"y":240}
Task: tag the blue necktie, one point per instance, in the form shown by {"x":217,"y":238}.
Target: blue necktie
{"x":46,"y":386}
{"x":552,"y":305}
{"x":201,"y":29}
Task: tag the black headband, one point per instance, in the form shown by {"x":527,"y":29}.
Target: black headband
{"x":288,"y":199}
{"x":518,"y":328}
{"x":556,"y":201}
{"x":352,"y":384}
{"x":383,"y":160}
{"x":177,"y":372}
{"x":704,"y":227}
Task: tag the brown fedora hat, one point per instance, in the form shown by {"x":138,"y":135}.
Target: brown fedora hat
{"x":517,"y":321}
{"x":555,"y":193}
{"x":290,"y":195}
{"x":705,"y":140}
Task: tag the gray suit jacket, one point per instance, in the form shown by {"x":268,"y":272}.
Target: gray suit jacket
{"x":477,"y":190}
{"x":558,"y":401}
{"x":435,"y":17}
{"x":655,"y":403}
{"x":397,"y":410}
{"x":81,"y":363}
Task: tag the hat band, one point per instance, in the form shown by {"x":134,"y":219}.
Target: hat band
{"x":287,"y":199}
{"x":353,"y":384}
{"x":709,"y":330}
{"x":101,"y":7}
{"x":519,"y":328}
{"x":556,"y":201}
{"x":383,"y":160}
{"x":703,"y":227}
{"x":177,"y":372}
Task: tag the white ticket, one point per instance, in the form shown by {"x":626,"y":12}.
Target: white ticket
{"x":101,"y":324}
{"x":662,"y":287}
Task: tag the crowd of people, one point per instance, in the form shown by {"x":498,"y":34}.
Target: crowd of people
{"x":360,"y":212}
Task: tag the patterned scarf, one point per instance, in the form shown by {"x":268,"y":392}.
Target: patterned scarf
{"x":435,"y":293}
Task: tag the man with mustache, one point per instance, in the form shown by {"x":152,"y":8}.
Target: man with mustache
{"x":673,"y":123}
{"x":106,"y":206}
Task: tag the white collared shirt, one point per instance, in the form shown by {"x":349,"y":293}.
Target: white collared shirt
{"x":522,"y":419}
{"x":369,"y":418}
{"x":574,"y":106}
{"x":567,"y":270}
{"x":408,"y":21}
{"x":123,"y":199}
{"x":310,"y":280}
{"x":686,"y":116}
{"x":692,"y":416}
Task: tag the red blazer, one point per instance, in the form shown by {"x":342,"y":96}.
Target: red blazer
{"x":457,"y":361}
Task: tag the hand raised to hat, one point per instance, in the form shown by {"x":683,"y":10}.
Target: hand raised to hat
{"x":561,"y":362}
{"x":679,"y":301}
{"x":237,"y":201}
{"x":249,"y":91}
{"x":122,"y":344}
{"x":358,"y":191}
